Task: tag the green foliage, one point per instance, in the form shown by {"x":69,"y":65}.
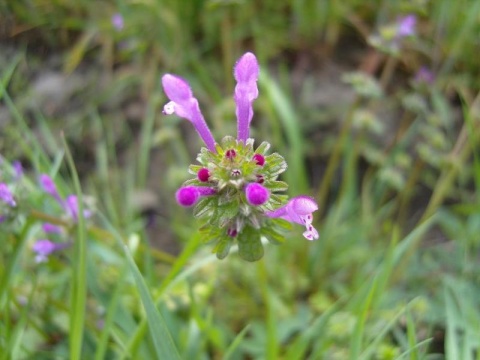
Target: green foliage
{"x":394,"y":162}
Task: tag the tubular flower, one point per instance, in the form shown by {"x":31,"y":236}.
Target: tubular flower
{"x":235,"y":189}
{"x":184,"y":105}
{"x":298,"y":210}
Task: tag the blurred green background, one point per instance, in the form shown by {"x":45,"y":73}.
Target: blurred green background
{"x":382,"y":131}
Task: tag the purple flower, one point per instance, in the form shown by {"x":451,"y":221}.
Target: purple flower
{"x":117,"y":21}
{"x":188,"y":195}
{"x":184,"y":105}
{"x":48,"y":185}
{"x":6,"y":195}
{"x":44,"y":247}
{"x":406,"y":26}
{"x":17,"y":167}
{"x":424,"y":75}
{"x":298,"y":210}
{"x":246,"y":74}
{"x":70,"y":204}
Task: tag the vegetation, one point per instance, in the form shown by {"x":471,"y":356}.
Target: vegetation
{"x":375,"y":107}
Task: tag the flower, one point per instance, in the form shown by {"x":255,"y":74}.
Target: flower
{"x":189,"y":195}
{"x":184,"y":105}
{"x":235,"y":189}
{"x":44,"y":248}
{"x":424,"y":76}
{"x":256,"y":194}
{"x":117,"y":21}
{"x":298,"y":210}
{"x":6,"y":195}
{"x":246,"y":74}
{"x":406,"y":26}
{"x":69,"y":205}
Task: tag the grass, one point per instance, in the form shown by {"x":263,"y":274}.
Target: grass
{"x":396,"y":173}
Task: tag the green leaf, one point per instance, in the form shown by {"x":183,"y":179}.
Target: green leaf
{"x":222,"y":248}
{"x":273,"y":236}
{"x":263,"y":148}
{"x":203,"y":207}
{"x":249,"y":245}
{"x":277,"y":185}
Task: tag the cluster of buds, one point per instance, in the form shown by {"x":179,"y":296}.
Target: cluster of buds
{"x":235,"y":189}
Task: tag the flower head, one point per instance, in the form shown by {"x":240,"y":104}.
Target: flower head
{"x":235,"y":189}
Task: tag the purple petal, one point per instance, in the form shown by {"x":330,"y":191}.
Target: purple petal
{"x":246,"y":73}
{"x":184,"y":105}
{"x":303,"y":205}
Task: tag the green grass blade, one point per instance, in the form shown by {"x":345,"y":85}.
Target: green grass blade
{"x":236,"y":342}
{"x":79,"y":269}
{"x":162,"y":340}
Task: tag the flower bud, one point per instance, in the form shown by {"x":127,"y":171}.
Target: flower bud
{"x":203,"y":174}
{"x":256,"y":194}
{"x":259,"y":159}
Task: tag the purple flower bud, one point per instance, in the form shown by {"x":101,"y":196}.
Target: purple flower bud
{"x":232,"y":232}
{"x":246,"y":73}
{"x":230,"y":154}
{"x":17,"y":167}
{"x":259,"y":159}
{"x":49,"y":187}
{"x":184,"y":105}
{"x":117,"y":21}
{"x":256,"y":194}
{"x":203,"y":174}
{"x":187,"y":196}
{"x":71,"y":207}
{"x":6,"y":195}
{"x":50,"y":228}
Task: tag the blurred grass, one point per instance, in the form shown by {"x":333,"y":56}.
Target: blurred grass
{"x":396,"y":262}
